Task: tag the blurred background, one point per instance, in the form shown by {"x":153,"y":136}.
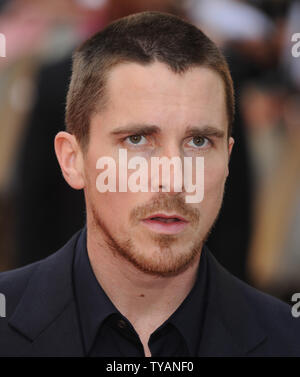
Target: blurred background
{"x":257,"y":235}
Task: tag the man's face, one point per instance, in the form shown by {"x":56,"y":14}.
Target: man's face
{"x":153,"y":112}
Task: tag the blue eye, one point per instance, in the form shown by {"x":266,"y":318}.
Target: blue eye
{"x":136,"y":139}
{"x":198,"y":142}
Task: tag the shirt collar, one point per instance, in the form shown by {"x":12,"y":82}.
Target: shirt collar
{"x":188,"y":318}
{"x":94,"y":306}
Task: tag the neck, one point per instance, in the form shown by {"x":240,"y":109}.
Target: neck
{"x":142,"y":298}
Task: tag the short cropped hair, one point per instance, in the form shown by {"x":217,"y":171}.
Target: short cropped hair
{"x":141,"y":38}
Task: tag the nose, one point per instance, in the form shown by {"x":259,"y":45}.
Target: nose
{"x":167,"y":170}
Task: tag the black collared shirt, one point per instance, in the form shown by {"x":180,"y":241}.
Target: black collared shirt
{"x":106,"y":332}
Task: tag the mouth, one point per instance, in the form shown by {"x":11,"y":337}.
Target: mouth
{"x":166,"y":224}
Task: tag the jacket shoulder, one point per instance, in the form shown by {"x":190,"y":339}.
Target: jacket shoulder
{"x":271,"y":311}
{"x":13,"y":283}
{"x":275,"y":318}
{"x":249,"y":313}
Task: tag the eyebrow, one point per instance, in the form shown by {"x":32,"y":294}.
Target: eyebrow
{"x":146,"y":129}
{"x":205,"y":131}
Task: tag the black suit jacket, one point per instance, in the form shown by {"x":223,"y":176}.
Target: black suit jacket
{"x":41,"y":316}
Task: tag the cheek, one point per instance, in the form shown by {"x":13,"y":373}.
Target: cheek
{"x":215,"y":173}
{"x":112,"y":209}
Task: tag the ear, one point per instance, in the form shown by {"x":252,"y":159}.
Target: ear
{"x":70,"y":159}
{"x":230,"y":146}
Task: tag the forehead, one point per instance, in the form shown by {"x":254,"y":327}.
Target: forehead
{"x":154,"y":93}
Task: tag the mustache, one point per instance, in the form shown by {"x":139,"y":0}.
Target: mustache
{"x":169,"y":203}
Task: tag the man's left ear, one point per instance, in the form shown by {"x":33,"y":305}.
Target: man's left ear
{"x":230,"y":146}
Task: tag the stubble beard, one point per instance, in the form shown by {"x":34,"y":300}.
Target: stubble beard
{"x":164,"y":261}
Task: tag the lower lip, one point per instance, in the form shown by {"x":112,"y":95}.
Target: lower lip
{"x":165,"y":228}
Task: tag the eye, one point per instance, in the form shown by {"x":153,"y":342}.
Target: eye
{"x":198,"y":142}
{"x":136,"y":139}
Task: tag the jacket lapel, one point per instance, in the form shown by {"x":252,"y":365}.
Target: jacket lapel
{"x":231,"y":327}
{"x":46,"y":314}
